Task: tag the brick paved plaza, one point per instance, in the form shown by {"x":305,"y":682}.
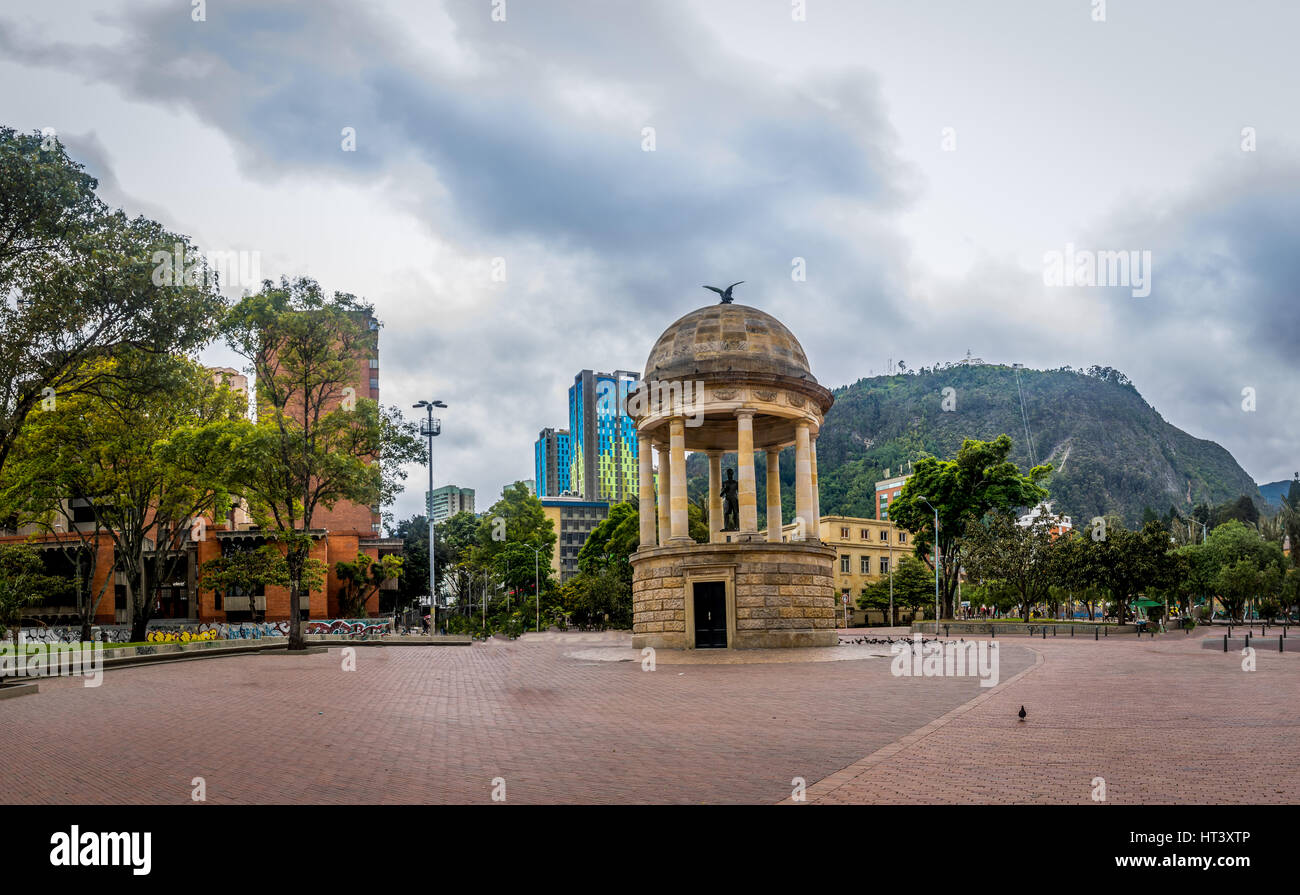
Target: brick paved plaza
{"x":1161,"y":720}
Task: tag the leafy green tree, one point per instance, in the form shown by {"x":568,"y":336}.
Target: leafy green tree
{"x":613,"y":541}
{"x":361,"y":579}
{"x":111,"y":453}
{"x":23,"y":581}
{"x":1290,"y":591}
{"x":979,"y":480}
{"x":82,"y":282}
{"x":1121,"y":562}
{"x":239,"y":572}
{"x":1237,"y":583}
{"x":598,"y":598}
{"x":1025,"y":557}
{"x":913,"y":588}
{"x":522,"y":520}
{"x":518,"y":519}
{"x":36,"y":486}
{"x":315,"y":442}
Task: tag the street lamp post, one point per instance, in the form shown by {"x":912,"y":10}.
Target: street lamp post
{"x":936,"y":563}
{"x":891,"y":577}
{"x":429,"y":429}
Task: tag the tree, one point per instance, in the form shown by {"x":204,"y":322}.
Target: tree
{"x":517,"y":519}
{"x":613,"y":541}
{"x":83,"y":282}
{"x":1290,"y":591}
{"x":315,"y":442}
{"x":362,"y":579}
{"x":36,"y":488}
{"x":110,"y":444}
{"x":244,"y":572}
{"x":1237,"y":583}
{"x":1025,"y":557}
{"x":23,"y":581}
{"x":913,"y":587}
{"x":1121,"y":562}
{"x":979,"y":480}
{"x":597,"y":598}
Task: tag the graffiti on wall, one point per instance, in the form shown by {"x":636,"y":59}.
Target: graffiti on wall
{"x":355,"y":628}
{"x":171,"y":632}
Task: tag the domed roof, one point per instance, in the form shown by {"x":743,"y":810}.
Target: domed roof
{"x":725,"y":338}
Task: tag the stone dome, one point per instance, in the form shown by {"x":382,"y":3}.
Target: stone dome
{"x":727,"y":338}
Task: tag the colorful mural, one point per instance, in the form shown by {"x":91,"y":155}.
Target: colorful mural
{"x":171,"y":632}
{"x":357,"y":629}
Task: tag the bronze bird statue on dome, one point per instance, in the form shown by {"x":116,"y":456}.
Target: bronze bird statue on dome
{"x":725,"y":293}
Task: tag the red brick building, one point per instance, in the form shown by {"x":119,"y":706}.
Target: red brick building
{"x":339,"y":534}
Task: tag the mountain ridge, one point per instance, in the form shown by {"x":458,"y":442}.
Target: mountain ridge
{"x":1111,"y":451}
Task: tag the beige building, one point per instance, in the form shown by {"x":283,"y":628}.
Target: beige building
{"x":865,"y":551}
{"x":573,"y":520}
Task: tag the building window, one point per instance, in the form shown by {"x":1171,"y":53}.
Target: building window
{"x":374,"y":363}
{"x":844,"y":532}
{"x":864,"y":534}
{"x":866,"y":565}
{"x":844,"y":565}
{"x":884,"y":534}
{"x":902,"y":537}
{"x":884,"y":565}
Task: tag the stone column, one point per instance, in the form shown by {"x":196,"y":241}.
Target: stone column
{"x":748,"y":489}
{"x":645,"y":491}
{"x":774,"y":495}
{"x":816,"y":491}
{"x":665,"y":493}
{"x":680,"y":518}
{"x":715,"y":496}
{"x":803,"y":479}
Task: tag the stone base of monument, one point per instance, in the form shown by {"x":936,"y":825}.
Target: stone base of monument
{"x":770,"y":595}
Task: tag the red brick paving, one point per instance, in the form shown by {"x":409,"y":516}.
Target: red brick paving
{"x":437,"y":724}
{"x":1161,"y":720}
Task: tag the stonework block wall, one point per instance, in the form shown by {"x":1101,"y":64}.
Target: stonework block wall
{"x":779,"y":595}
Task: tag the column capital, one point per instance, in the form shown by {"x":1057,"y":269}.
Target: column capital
{"x":745,"y":412}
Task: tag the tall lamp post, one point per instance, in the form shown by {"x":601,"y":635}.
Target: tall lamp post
{"x":429,"y":428}
{"x":936,"y":562}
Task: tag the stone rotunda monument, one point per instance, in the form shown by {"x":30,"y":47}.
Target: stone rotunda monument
{"x":729,"y":378}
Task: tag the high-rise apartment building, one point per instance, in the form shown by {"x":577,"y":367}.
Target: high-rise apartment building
{"x":552,"y":462}
{"x":604,"y":456}
{"x":450,"y":500}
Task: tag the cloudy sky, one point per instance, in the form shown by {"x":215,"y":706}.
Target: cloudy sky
{"x":506,"y":213}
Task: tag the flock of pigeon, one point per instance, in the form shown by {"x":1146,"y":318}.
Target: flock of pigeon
{"x":886,"y":641}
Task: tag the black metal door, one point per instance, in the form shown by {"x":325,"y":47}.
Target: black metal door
{"x":710,"y":615}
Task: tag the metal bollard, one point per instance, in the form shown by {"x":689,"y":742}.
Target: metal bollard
{"x":1096,"y":634}
{"x":1225,"y":643}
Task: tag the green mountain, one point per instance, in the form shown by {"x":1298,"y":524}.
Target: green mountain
{"x":1110,"y":450}
{"x":1273,"y":492}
